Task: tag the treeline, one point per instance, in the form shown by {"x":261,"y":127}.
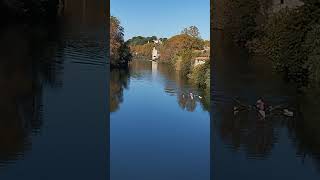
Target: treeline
{"x":180,"y":51}
{"x":289,"y":37}
{"x":140,"y":40}
{"x":142,"y":46}
{"x":28,"y":10}
{"x":120,"y":54}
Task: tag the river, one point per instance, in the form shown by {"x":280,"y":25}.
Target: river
{"x":54,"y":108}
{"x":244,"y":147}
{"x":157,"y":129}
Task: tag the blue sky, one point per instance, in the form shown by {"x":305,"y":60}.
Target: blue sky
{"x":162,"y":18}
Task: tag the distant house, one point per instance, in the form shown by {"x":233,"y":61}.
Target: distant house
{"x":155,"y":54}
{"x":157,"y":41}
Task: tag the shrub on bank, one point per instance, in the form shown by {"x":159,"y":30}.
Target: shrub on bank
{"x":200,"y":75}
{"x":186,"y":61}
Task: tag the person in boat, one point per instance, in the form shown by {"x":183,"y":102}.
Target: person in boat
{"x":260,"y":104}
{"x":261,"y":107}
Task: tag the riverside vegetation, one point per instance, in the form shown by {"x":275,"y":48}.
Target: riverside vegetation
{"x":179,"y":51}
{"x":290,"y":38}
{"x":120,"y":54}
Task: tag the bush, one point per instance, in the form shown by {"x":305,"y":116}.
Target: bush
{"x":200,"y":75}
{"x":311,"y":46}
{"x":186,"y":61}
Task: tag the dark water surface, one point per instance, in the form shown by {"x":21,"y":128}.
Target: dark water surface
{"x":54,"y":111}
{"x":157,"y":130}
{"x":245,"y":147}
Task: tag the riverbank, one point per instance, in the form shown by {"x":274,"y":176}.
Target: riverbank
{"x":288,"y":36}
{"x":186,"y":53}
{"x":259,"y":145}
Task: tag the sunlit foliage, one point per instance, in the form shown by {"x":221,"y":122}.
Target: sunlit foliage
{"x":120,"y":53}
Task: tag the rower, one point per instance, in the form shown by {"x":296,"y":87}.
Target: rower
{"x":261,"y":107}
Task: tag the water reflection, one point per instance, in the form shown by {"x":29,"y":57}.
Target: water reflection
{"x":118,"y":82}
{"x":278,"y":143}
{"x":158,"y":125}
{"x":53,"y":97}
{"x":23,"y":75}
{"x":188,"y":96}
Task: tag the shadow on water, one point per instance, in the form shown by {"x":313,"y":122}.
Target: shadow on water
{"x":278,"y":147}
{"x":53,"y":96}
{"x":23,"y":75}
{"x":118,"y":82}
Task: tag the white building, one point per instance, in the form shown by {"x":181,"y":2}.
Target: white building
{"x":157,"y":41}
{"x":155,"y":54}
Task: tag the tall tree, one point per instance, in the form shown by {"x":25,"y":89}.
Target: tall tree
{"x":119,"y":50}
{"x":116,"y":38}
{"x":192,"y":31}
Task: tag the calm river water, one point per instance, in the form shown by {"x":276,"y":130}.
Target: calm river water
{"x":157,"y":129}
{"x":54,"y":108}
{"x":244,"y":147}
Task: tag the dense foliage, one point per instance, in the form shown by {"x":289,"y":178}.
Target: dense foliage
{"x":241,"y":19}
{"x":174,"y":45}
{"x":142,"y":51}
{"x":179,"y":51}
{"x":291,"y":39}
{"x":120,"y":53}
{"x":140,"y":40}
{"x":200,"y":75}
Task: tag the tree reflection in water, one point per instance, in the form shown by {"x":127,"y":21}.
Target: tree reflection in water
{"x":175,"y":85}
{"x":119,"y":80}
{"x":246,"y":132}
{"x":258,"y":138}
{"x":26,"y":66}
